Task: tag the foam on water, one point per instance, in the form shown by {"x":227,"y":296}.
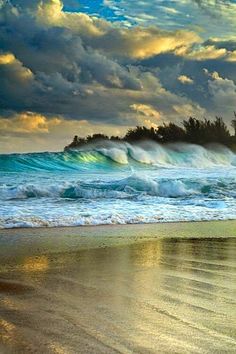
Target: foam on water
{"x":117,"y":183}
{"x":92,"y":157}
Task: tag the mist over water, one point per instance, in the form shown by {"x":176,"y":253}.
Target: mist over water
{"x":111,"y":182}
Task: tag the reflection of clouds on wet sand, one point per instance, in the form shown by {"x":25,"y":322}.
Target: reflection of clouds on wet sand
{"x":166,"y":296}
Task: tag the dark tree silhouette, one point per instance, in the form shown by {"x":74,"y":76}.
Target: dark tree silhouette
{"x":206,"y":131}
{"x":170,"y":133}
{"x":193,"y":130}
{"x":140,"y":133}
{"x":233,"y":124}
{"x":94,"y":137}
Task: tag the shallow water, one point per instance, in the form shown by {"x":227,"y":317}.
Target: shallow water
{"x":118,"y":184}
{"x":164,"y":296}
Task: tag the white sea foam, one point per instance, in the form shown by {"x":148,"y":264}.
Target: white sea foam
{"x":115,"y":154}
{"x":96,"y":157}
{"x":117,"y":184}
{"x":133,"y":185}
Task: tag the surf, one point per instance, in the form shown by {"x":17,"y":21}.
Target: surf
{"x":117,"y":155}
{"x":117,"y":183}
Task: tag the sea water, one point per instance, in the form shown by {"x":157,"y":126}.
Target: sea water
{"x":118,"y":183}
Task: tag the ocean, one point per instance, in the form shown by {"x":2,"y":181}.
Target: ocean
{"x":118,"y":183}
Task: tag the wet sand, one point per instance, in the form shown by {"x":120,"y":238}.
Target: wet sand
{"x":167,"y":288}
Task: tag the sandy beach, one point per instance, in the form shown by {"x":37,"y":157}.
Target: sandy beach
{"x":158,"y":288}
{"x":117,"y":177}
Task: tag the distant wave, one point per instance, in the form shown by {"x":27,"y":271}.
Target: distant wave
{"x":133,"y":186}
{"x":114,"y":155}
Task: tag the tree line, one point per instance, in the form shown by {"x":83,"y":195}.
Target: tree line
{"x":192,"y":130}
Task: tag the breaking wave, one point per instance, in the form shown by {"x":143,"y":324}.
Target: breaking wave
{"x":134,"y":186}
{"x":117,"y":183}
{"x":112,"y":155}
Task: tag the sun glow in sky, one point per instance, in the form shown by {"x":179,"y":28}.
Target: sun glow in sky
{"x":79,"y":67}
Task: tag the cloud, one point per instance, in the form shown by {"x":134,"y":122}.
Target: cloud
{"x":16,"y":82}
{"x":74,"y":71}
{"x":135,"y":42}
{"x":214,"y":51}
{"x":232,"y":56}
{"x":217,"y":8}
{"x":61,"y":71}
{"x":223,"y":92}
{"x":207,"y":53}
{"x":14,"y":67}
{"x":6,"y":59}
{"x":185,"y":79}
{"x":26,"y":123}
{"x":146,"y":110}
{"x":203,"y":14}
{"x":188,"y":110}
{"x":50,"y":12}
{"x":140,"y":43}
{"x":28,"y":131}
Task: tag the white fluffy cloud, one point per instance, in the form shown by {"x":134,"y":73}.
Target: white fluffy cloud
{"x":223,"y":91}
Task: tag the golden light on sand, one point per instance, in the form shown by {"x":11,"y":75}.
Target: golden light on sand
{"x":9,"y":304}
{"x":58,"y":349}
{"x":36,"y":264}
{"x":149,"y":255}
{"x":7,"y":330}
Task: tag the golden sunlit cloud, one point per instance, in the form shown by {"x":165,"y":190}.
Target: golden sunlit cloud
{"x":65,"y":73}
{"x":141,"y":43}
{"x":19,"y":71}
{"x":185,"y":79}
{"x":51,"y":13}
{"x":146,"y":110}
{"x":210,"y":53}
{"x":7,"y":58}
{"x":31,"y":131}
{"x":231,"y":56}
{"x":206,"y":53}
{"x":136,"y":42}
{"x":27,"y":122}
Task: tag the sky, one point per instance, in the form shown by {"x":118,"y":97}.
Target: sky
{"x":82,"y":67}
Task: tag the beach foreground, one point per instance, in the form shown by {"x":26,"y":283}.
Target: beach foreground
{"x":166,"y":288}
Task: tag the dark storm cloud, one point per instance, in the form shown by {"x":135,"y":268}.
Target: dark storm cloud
{"x":68,"y":64}
{"x":169,"y":67}
{"x":62,"y":72}
{"x":57,"y":63}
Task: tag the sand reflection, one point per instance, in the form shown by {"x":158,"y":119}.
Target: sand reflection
{"x":35,"y":264}
{"x":161,"y":296}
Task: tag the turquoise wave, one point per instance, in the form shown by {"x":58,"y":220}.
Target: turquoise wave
{"x":117,"y":183}
{"x":120,"y":155}
{"x":48,"y":161}
{"x":131,"y":187}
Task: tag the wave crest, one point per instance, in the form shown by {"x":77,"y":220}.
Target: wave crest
{"x":114,"y":155}
{"x":134,"y":186}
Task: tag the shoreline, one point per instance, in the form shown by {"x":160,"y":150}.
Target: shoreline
{"x":141,"y":288}
{"x":126,"y":288}
{"x":19,"y":241}
{"x":114,"y":225}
